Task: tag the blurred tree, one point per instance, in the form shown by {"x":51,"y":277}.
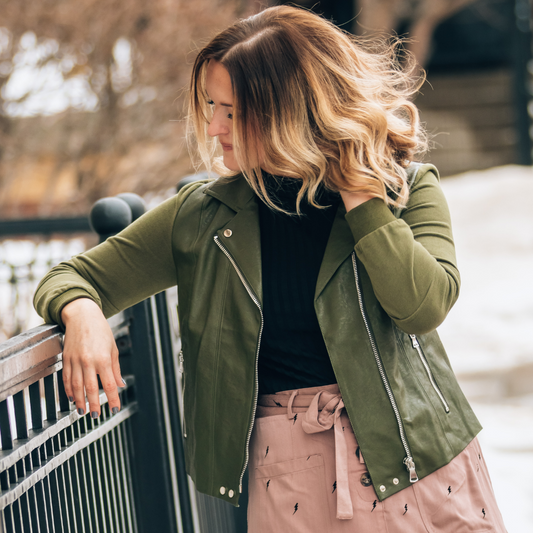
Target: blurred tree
{"x":91,"y":95}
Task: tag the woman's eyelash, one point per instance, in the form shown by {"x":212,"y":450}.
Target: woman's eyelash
{"x":210,"y":102}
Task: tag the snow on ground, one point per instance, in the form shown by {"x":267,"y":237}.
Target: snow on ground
{"x":488,"y":334}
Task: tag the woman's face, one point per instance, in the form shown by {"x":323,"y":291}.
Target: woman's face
{"x":220,"y":94}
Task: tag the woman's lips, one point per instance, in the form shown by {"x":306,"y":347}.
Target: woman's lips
{"x":226,"y":147}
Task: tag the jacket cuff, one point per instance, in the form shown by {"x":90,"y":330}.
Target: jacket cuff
{"x":57,"y":304}
{"x":368,"y":217}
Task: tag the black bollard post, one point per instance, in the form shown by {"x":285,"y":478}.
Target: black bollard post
{"x":109,"y":216}
{"x":136,"y":203}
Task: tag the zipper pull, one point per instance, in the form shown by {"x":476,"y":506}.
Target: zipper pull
{"x":240,"y":488}
{"x":180,"y":359}
{"x":414,"y":341}
{"x":410,"y":464}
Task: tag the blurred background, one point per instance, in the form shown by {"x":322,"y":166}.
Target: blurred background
{"x":92,"y":99}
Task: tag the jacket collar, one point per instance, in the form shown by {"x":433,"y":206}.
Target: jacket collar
{"x":245,"y":242}
{"x":233,"y":191}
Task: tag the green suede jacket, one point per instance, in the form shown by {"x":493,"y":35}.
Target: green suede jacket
{"x":387,"y":280}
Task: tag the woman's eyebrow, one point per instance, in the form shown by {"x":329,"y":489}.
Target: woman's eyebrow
{"x":225,"y":105}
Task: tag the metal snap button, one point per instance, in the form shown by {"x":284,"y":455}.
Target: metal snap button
{"x":396,"y":481}
{"x":231,"y":493}
{"x":382,"y":488}
{"x":366,"y":480}
{"x":222,"y":490}
{"x":228,"y":233}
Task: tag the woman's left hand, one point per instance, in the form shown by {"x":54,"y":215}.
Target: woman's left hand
{"x":353,"y":199}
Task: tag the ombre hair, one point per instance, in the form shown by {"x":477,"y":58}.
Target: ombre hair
{"x":314,"y":103}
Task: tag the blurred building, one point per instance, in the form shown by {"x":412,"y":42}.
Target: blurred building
{"x":477,"y":54}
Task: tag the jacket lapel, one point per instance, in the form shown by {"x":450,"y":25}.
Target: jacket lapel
{"x":240,"y":235}
{"x":244,"y":244}
{"x":340,"y":246}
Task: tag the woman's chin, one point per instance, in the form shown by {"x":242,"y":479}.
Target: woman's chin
{"x":231,"y":164}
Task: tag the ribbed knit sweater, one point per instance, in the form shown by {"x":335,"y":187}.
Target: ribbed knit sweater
{"x":293,"y":353}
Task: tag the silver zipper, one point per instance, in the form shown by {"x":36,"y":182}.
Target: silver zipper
{"x":256,"y":389}
{"x":416,"y":346}
{"x":182,"y":372}
{"x":408,"y":461}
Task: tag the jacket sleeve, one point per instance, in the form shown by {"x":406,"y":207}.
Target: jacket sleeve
{"x":120,"y":272}
{"x":411,"y":259}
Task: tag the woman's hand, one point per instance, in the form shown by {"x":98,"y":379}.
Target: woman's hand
{"x":89,"y":350}
{"x":353,"y":199}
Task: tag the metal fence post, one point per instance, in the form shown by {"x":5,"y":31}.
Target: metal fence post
{"x":158,"y":471}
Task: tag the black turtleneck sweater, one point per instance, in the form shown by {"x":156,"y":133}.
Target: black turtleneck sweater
{"x":292,"y":353}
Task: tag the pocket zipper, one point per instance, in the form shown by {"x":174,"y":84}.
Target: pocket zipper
{"x":181,"y":370}
{"x":418,"y":348}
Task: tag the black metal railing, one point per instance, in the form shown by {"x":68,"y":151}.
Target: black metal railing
{"x":60,"y":471}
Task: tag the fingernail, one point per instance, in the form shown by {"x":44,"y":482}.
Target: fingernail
{"x":114,"y":410}
{"x":71,"y":399}
{"x":81,"y":411}
{"x":94,"y":414}
{"x":123,"y":381}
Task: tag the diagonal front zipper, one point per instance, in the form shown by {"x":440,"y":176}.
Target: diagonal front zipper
{"x":181,"y":360}
{"x":256,"y":385}
{"x":418,"y":348}
{"x":408,"y":461}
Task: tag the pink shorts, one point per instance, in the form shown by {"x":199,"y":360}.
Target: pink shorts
{"x":306,"y":475}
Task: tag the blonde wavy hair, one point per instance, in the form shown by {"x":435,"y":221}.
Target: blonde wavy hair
{"x":322,"y":106}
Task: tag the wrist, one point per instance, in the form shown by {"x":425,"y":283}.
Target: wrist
{"x":352,"y":200}
{"x":77,"y":306}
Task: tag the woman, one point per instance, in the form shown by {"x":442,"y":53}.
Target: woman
{"x":311,"y":278}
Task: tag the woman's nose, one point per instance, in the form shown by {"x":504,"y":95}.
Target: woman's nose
{"x":217,"y":127}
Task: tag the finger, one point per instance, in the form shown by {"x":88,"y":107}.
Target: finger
{"x":78,"y":389}
{"x":92,"y":390}
{"x":67,"y":375}
{"x":110,"y":387}
{"x":117,"y":374}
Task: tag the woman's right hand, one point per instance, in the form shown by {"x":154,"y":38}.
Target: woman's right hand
{"x":89,"y":350}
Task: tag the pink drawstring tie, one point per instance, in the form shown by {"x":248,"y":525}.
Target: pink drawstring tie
{"x":315,"y":422}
